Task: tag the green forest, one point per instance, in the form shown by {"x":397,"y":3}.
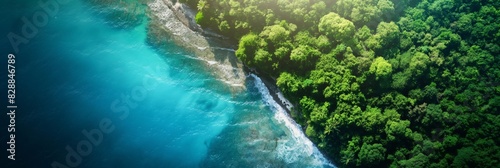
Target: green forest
{"x":378,"y":83}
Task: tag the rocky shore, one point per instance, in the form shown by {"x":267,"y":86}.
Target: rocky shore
{"x":177,"y":21}
{"x":274,"y":91}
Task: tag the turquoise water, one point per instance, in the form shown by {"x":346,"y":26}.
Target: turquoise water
{"x":159,"y":106}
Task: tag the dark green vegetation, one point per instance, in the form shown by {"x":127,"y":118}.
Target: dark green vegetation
{"x":401,"y":83}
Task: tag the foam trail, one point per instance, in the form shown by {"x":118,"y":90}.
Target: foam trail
{"x":288,"y":151}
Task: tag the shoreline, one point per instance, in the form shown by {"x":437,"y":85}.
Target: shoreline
{"x":185,"y":15}
{"x":175,"y":20}
{"x":274,"y":90}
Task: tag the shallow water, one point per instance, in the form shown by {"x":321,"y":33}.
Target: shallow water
{"x":160,"y":107}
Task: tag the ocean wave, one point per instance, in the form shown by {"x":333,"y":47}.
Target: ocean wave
{"x":291,"y":150}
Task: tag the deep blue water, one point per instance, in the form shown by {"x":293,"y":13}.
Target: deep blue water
{"x":94,"y":93}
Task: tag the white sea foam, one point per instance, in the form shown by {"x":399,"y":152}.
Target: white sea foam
{"x":212,"y":62}
{"x":291,"y":150}
{"x":201,"y":48}
{"x":287,"y":103}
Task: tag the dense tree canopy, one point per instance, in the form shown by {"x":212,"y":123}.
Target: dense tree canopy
{"x":379,"y":83}
{"x":336,"y":27}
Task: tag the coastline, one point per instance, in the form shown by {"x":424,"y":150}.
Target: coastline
{"x":182,"y":16}
{"x":275,"y":92}
{"x":181,"y":23}
{"x":175,"y":20}
{"x":186,"y":24}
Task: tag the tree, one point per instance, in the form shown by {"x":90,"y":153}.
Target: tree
{"x":276,"y":34}
{"x":380,"y":67}
{"x":464,"y":25}
{"x":319,"y":114}
{"x":387,"y":33}
{"x":304,"y":38}
{"x":419,"y":63}
{"x":336,"y":27}
{"x":262,"y":57}
{"x":363,"y":33}
{"x":247,"y":47}
{"x":304,"y":56}
{"x":372,"y":119}
{"x":318,"y":9}
{"x":199,"y":18}
{"x":371,"y":154}
{"x":386,"y":8}
{"x":418,"y":161}
{"x":348,"y":155}
{"x":395,"y":129}
{"x":363,"y":12}
{"x":439,"y":7}
{"x":289,"y":83}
